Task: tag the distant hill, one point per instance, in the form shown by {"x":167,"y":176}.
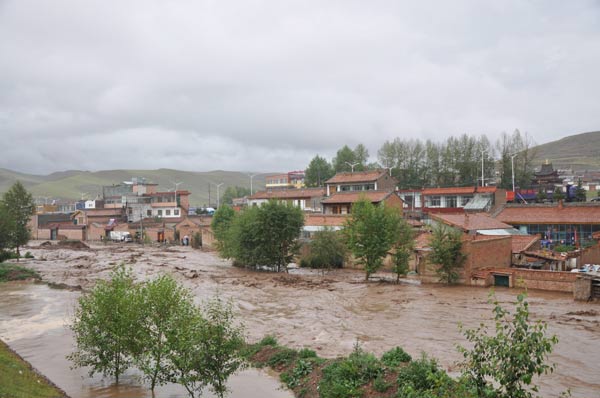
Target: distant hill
{"x":73,"y":184}
{"x":578,"y":152}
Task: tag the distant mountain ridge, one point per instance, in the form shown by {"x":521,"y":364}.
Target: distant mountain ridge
{"x":75,"y":184}
{"x":578,"y":152}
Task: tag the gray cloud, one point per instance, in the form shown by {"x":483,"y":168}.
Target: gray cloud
{"x":256,"y":85}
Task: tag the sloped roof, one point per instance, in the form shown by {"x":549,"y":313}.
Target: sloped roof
{"x":328,"y":220}
{"x":449,"y":191}
{"x":520,"y":243}
{"x":570,"y":213}
{"x":355,"y":196}
{"x":470,"y":222}
{"x":289,"y":194}
{"x":358,"y":176}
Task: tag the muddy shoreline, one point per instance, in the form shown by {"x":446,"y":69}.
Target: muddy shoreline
{"x":328,"y":313}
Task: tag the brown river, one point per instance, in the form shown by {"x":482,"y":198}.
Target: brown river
{"x":303,"y":309}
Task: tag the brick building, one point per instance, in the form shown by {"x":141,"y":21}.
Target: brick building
{"x":341,"y":202}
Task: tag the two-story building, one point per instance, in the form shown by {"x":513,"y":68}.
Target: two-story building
{"x":307,"y":199}
{"x":290,"y":180}
{"x":370,"y":180}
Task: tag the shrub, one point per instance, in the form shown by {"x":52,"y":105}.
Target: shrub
{"x":284,"y":357}
{"x":293,"y":377}
{"x":380,"y":384}
{"x":394,"y":357}
{"x":345,"y":377}
{"x":268,"y":340}
{"x":28,"y":255}
{"x":306,"y":353}
{"x":197,"y":240}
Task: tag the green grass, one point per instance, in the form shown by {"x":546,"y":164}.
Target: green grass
{"x":18,"y":380}
{"x":580,"y":151}
{"x":13,"y":272}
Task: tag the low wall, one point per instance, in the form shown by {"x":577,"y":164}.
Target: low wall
{"x":544,"y":280}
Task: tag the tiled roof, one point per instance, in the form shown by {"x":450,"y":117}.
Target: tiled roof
{"x":289,"y":194}
{"x":355,"y":196}
{"x":358,"y":176}
{"x":449,"y":191}
{"x":329,"y":220}
{"x":470,"y":222}
{"x":540,"y":214}
{"x":458,"y":190}
{"x":520,"y":243}
{"x":104,"y":212}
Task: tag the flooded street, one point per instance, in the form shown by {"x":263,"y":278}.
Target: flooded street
{"x":303,"y":309}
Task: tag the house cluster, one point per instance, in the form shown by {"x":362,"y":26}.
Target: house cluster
{"x":135,"y":206}
{"x":534,"y":244}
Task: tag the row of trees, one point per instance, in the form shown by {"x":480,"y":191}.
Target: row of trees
{"x":16,"y":209}
{"x":455,"y":162}
{"x":156,"y":327}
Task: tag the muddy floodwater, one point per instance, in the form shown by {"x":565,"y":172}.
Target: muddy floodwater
{"x":327,"y":313}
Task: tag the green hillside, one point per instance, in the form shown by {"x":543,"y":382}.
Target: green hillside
{"x":73,"y":184}
{"x":578,"y":152}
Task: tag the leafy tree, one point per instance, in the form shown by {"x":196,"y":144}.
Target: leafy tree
{"x":7,"y":225}
{"x":264,"y":236}
{"x":221,"y":224}
{"x":232,"y":193}
{"x":541,"y":195}
{"x":343,"y":160}
{"x":446,"y":250}
{"x":106,"y":325}
{"x":503,"y":365}
{"x":221,"y":344}
{"x":20,"y":207}
{"x":558,"y":194}
{"x":403,"y":250}
{"x":580,"y":194}
{"x":318,"y":171}
{"x":370,"y":232}
{"x":163,"y":304}
{"x":326,"y":250}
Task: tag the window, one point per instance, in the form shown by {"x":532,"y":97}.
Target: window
{"x":464,"y":200}
{"x":435,"y":201}
{"x":450,"y":201}
{"x":149,"y":213}
{"x":168,"y":212}
{"x":159,"y":213}
{"x":176,"y":212}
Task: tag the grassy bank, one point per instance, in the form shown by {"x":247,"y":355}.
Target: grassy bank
{"x":13,"y":272}
{"x":19,"y":380}
{"x":360,"y":374}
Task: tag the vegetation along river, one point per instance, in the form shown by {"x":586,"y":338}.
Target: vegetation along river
{"x":327,"y":313}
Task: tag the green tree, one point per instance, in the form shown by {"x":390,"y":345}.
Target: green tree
{"x":232,"y":193}
{"x":446,"y":251}
{"x":345,"y":157}
{"x":264,"y":236}
{"x":7,"y":226}
{"x":163,"y":304}
{"x":580,"y":194}
{"x":503,"y":365}
{"x":326,"y":250}
{"x":20,"y":207}
{"x":541,"y":195}
{"x":558,"y":194}
{"x":221,"y":225}
{"x":403,"y":250}
{"x":370,"y":233}
{"x":318,"y":171}
{"x":221,"y":344}
{"x":106,"y":325}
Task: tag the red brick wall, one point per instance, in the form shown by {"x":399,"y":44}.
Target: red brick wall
{"x":590,"y":256}
{"x":544,"y":280}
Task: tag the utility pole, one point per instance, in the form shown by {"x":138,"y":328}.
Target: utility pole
{"x":482,"y":167}
{"x":512,"y":164}
{"x":176,"y":186}
{"x":218,"y":197}
{"x":251,"y":188}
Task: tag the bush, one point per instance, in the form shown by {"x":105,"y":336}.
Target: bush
{"x":306,"y":353}
{"x":564,"y":248}
{"x":293,"y":377}
{"x":268,"y":340}
{"x":326,"y":251}
{"x":28,"y":255}
{"x":345,"y":377}
{"x":380,"y":384}
{"x":418,"y":374}
{"x":12,"y":272}
{"x":197,"y":240}
{"x":394,"y":357}
{"x":282,"y":358}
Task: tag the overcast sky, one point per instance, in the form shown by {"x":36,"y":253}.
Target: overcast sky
{"x":266,"y":85}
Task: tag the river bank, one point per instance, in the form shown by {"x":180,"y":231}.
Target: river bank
{"x":329,"y":313}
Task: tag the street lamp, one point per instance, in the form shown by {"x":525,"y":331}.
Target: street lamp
{"x":218,"y":197}
{"x":251,"y":178}
{"x":512,"y":165}
{"x":352,"y":165}
{"x":177,"y":184}
{"x":483,"y":151}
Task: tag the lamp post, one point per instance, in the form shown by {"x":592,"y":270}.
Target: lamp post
{"x":352,"y":165}
{"x":177,"y":184}
{"x":218,"y":195}
{"x":251,"y":188}
{"x":512,"y":165}
{"x":483,"y":151}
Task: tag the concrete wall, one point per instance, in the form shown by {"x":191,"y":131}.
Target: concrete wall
{"x":590,"y":255}
{"x":582,"y":288}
